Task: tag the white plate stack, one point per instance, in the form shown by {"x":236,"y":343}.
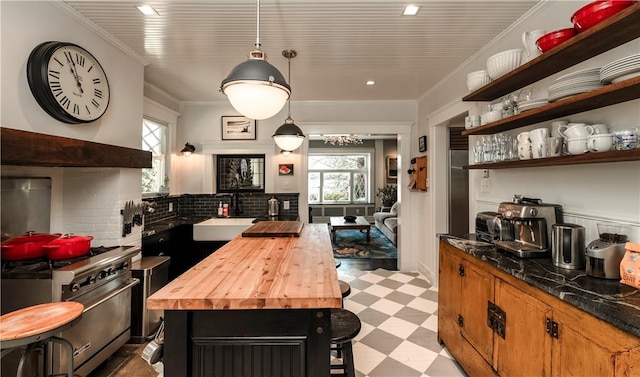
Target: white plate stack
{"x":532,"y":104}
{"x":621,"y":69}
{"x":574,"y":83}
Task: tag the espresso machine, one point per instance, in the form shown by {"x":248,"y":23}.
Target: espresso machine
{"x":531,"y":221}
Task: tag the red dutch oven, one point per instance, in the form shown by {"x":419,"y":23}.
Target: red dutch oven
{"x":68,"y":247}
{"x":28,"y":246}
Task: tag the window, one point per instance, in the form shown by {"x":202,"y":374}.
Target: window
{"x":339,"y":177}
{"x":154,"y":139}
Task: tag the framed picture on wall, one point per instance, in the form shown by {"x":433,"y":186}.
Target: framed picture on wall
{"x":422,"y":143}
{"x":238,"y":128}
{"x":285,"y":169}
{"x":392,"y":167}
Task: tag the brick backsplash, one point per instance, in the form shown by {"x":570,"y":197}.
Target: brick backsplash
{"x":252,"y":205}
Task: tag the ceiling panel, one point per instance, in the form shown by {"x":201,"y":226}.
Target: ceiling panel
{"x":193,"y":45}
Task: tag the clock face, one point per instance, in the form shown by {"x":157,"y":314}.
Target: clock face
{"x":68,"y":82}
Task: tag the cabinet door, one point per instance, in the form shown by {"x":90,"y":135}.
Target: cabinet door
{"x":477,"y":292}
{"x":586,"y":347}
{"x":449,"y":283}
{"x":526,"y":347}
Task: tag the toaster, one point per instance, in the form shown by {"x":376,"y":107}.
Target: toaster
{"x":490,"y":227}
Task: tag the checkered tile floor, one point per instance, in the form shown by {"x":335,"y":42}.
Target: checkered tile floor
{"x":399,"y":315}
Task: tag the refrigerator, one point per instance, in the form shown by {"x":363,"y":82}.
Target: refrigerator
{"x":458,"y":192}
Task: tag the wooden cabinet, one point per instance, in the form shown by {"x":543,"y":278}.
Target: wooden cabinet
{"x":611,"y":33}
{"x":539,"y":334}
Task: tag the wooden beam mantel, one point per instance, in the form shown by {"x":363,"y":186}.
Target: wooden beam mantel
{"x":35,"y":149}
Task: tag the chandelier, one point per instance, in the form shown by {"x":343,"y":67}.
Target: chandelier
{"x":341,"y":139}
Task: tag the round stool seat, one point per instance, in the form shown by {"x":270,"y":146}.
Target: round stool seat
{"x":38,"y":322}
{"x":345,"y":325}
{"x":345,"y":288}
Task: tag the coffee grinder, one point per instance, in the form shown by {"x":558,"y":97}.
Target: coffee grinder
{"x":603,"y":256}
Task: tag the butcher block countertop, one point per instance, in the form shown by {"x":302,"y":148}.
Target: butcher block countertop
{"x":259,"y":273}
{"x":275,"y":229}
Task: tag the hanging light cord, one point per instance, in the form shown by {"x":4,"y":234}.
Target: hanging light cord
{"x":289,"y":80}
{"x":258,"y":25}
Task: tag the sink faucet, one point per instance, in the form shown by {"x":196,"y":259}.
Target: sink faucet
{"x":236,"y":197}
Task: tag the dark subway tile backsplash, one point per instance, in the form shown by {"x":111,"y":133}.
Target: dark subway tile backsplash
{"x":251,"y":205}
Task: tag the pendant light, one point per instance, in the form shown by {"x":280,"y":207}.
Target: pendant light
{"x":255,"y":88}
{"x":289,"y":136}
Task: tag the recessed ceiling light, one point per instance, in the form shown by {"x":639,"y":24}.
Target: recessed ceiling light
{"x":371,"y":82}
{"x":147,"y":10}
{"x":410,"y":10}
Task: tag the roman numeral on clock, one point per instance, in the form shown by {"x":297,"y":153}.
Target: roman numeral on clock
{"x":76,"y":109}
{"x":80,"y":60}
{"x":54,"y":74}
{"x":97,"y":93}
{"x":56,"y":89}
{"x":97,"y":81}
{"x":95,"y":103}
{"x":64,"y":101}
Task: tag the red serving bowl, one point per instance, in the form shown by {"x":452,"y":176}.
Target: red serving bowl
{"x":597,"y":11}
{"x":551,"y":40}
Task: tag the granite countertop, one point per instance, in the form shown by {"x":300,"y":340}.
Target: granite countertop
{"x":608,"y":300}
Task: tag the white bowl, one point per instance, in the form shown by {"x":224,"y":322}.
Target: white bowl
{"x":504,"y":62}
{"x":478,"y":79}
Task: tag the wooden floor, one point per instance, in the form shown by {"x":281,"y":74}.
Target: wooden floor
{"x":347,"y":264}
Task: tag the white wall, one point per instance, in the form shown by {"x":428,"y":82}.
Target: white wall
{"x":84,"y":201}
{"x":588,"y":193}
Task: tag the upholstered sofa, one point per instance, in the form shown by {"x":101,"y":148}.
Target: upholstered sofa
{"x":387,"y":222}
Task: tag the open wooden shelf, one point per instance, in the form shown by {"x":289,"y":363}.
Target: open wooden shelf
{"x":35,"y":149}
{"x":608,"y":95}
{"x":587,"y":158}
{"x":613,"y":32}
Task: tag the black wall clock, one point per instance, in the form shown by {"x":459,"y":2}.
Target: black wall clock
{"x":68,"y":82}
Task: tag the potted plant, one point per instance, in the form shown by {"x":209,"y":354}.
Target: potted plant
{"x":388,"y":195}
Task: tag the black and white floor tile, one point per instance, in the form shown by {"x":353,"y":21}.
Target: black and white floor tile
{"x":399,"y":315}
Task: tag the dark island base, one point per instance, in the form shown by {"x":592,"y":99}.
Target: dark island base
{"x":244,"y":343}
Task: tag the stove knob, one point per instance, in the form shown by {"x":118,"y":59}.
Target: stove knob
{"x":92,"y":279}
{"x":75,"y":287}
{"x":125,"y":265}
{"x":102,"y":274}
{"x":533,"y":212}
{"x":508,"y":213}
{"x":111,"y":271}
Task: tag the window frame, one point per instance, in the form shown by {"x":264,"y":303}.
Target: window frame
{"x":163,"y":156}
{"x":369,"y":155}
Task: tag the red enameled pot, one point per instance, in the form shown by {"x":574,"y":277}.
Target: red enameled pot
{"x":597,"y":11}
{"x":68,"y":247}
{"x":28,"y":246}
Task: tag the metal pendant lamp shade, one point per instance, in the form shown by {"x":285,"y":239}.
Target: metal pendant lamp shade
{"x":255,"y":88}
{"x":289,"y":137}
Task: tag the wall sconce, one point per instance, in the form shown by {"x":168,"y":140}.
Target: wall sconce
{"x":187,"y":150}
{"x":285,"y":153}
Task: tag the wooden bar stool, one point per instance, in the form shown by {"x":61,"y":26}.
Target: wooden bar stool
{"x":345,"y":288}
{"x":39,"y":323}
{"x":345,"y":325}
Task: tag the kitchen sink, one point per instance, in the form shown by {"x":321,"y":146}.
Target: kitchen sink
{"x":221,"y":229}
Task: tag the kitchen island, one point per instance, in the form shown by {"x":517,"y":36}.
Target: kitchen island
{"x":258,"y":306}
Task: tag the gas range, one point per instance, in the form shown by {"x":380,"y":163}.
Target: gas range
{"x":75,"y":275}
{"x":101,"y":281}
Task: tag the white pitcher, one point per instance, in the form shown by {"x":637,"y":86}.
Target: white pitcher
{"x":529,"y":39}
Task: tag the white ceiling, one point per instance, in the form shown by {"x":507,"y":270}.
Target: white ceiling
{"x":193,"y":44}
